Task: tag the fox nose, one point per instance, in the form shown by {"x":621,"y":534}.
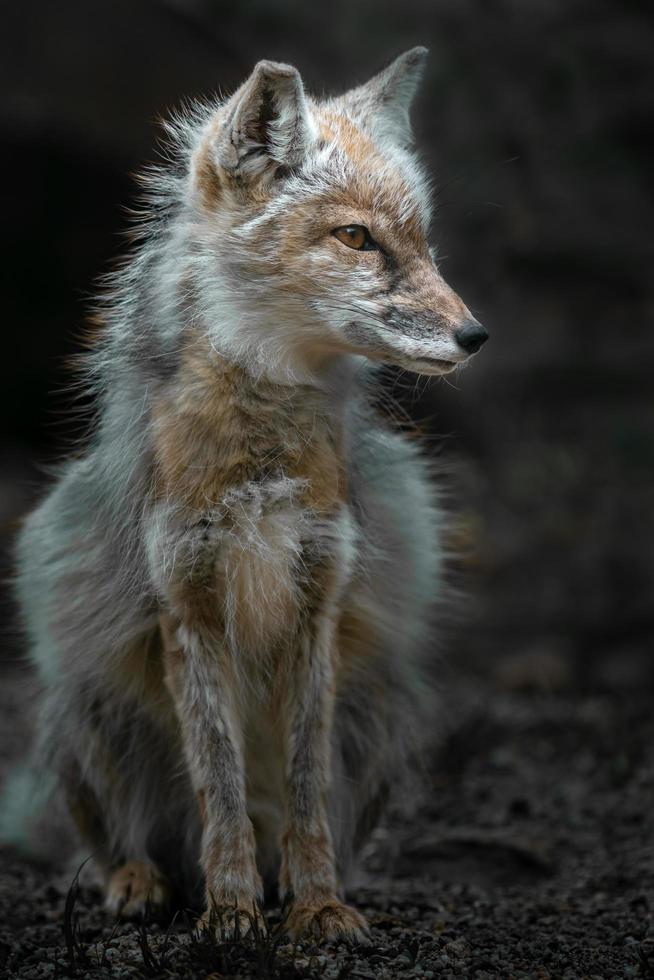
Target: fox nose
{"x":471,"y":336}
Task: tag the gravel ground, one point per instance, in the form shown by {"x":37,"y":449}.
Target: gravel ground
{"x":531,"y":856}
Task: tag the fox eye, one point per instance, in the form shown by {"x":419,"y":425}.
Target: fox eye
{"x":356,"y":236}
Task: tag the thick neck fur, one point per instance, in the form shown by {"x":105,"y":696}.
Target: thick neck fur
{"x":217,"y":428}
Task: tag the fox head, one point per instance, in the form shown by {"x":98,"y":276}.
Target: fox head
{"x":309,"y":224}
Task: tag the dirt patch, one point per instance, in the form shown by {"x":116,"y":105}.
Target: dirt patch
{"x":531,"y":857}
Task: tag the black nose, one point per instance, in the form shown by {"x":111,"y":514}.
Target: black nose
{"x":471,"y":336}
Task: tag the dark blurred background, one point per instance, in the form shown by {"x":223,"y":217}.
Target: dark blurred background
{"x":536,"y":118}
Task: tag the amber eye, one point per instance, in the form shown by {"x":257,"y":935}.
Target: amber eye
{"x":356,"y":236}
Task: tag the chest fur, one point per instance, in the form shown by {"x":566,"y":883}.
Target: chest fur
{"x":258,"y":474}
{"x":216,"y":430}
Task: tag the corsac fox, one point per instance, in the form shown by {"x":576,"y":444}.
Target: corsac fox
{"x":228,"y":593}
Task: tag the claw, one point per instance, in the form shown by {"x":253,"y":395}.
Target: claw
{"x":330,"y":922}
{"x":134,"y":888}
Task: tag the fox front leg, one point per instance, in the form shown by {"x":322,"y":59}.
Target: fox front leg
{"x":197,"y":675}
{"x":183,"y":552}
{"x":308,"y":872}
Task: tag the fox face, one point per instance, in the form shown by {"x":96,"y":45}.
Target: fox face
{"x":309,"y":228}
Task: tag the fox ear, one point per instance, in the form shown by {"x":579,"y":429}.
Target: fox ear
{"x":382,"y":105}
{"x":267,"y":124}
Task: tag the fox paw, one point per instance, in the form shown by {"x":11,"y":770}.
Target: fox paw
{"x":134,"y":888}
{"x":330,"y":922}
{"x":227,"y":921}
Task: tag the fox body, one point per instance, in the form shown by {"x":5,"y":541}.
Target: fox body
{"x":228,"y":594}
